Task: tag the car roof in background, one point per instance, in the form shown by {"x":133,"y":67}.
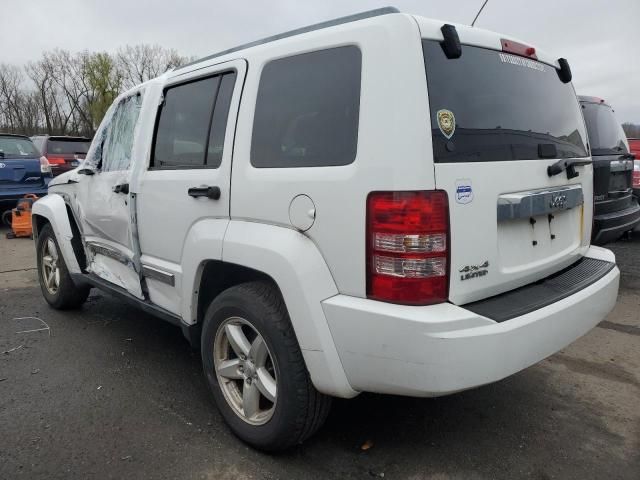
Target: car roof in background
{"x":15,"y":135}
{"x":590,"y":99}
{"x":66,"y":138}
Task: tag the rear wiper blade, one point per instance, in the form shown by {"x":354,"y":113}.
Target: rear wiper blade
{"x":568,"y":165}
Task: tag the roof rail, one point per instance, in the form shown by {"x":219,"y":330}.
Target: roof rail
{"x":317,"y":26}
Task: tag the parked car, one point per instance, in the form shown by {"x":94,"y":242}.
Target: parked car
{"x":349,"y":249}
{"x":22,"y":169}
{"x":616,"y":211}
{"x":64,"y":153}
{"x":634,"y":148}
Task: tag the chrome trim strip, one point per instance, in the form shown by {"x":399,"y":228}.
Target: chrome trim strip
{"x":108,"y":251}
{"x":160,"y":275}
{"x":541,"y":202}
{"x":621,"y":165}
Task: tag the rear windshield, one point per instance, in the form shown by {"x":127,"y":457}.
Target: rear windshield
{"x":17,"y":147}
{"x":62,"y":147}
{"x":605,"y":132}
{"x":491,"y":106}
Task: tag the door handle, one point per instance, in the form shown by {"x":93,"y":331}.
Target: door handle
{"x":210,"y":192}
{"x":122,"y":188}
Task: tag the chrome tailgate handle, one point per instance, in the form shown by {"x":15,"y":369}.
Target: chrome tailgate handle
{"x":541,"y":202}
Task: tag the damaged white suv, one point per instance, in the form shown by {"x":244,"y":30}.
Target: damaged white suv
{"x":382,"y":203}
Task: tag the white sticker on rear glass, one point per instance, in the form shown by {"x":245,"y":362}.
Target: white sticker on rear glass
{"x":522,"y":62}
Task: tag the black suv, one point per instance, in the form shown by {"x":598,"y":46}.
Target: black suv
{"x":616,"y":211}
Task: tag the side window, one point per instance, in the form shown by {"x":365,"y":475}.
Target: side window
{"x":118,"y":142}
{"x":192,"y":123}
{"x":307,"y":110}
{"x":93,"y":160}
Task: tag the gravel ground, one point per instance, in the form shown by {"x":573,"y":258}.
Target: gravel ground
{"x":110,"y":392}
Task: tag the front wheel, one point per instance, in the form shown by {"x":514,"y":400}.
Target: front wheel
{"x":56,"y":284}
{"x":255,"y":369}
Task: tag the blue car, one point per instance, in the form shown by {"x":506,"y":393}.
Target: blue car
{"x":22,"y":169}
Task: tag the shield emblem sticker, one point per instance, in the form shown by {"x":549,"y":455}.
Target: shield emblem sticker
{"x":446,"y":122}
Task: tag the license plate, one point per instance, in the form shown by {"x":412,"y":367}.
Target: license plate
{"x":75,"y":163}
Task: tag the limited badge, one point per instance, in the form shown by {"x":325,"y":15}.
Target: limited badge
{"x":446,"y":122}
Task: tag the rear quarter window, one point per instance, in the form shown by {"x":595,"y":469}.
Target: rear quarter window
{"x":307,"y":110}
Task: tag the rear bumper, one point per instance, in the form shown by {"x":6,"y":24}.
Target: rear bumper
{"x":9,"y":198}
{"x":441,"y":349}
{"x":610,"y":226}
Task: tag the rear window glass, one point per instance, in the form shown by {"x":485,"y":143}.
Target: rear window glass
{"x":605,"y":132}
{"x":17,"y":147}
{"x":307,"y":110}
{"x":491,"y":106}
{"x":65,"y":147}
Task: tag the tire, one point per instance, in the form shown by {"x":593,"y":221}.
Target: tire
{"x":65,"y":294}
{"x":299,"y":409}
{"x":6,"y":218}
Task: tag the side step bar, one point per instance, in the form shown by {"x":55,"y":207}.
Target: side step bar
{"x":191,"y":332}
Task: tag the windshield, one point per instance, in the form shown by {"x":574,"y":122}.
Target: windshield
{"x":68,"y":147}
{"x":492,"y":106}
{"x":605,"y":132}
{"x":17,"y":147}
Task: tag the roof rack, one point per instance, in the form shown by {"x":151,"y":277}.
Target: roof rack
{"x":318,"y":26}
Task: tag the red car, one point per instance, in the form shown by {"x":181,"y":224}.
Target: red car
{"x":63,"y":152}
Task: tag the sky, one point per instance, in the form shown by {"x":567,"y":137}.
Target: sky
{"x":600,"y":38}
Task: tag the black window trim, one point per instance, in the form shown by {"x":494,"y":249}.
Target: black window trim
{"x":203,"y":76}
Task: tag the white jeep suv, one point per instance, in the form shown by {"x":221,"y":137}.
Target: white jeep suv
{"x":381,"y":203}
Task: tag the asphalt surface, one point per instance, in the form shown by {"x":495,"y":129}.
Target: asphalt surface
{"x":110,"y":392}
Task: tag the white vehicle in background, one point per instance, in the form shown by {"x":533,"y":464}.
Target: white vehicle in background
{"x":381,"y":203}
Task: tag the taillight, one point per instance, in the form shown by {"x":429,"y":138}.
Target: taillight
{"x":56,"y":160}
{"x":408,"y":247}
{"x":45,"y":167}
{"x":636,"y":174}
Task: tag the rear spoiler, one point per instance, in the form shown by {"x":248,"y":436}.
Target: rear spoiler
{"x":453,"y":49}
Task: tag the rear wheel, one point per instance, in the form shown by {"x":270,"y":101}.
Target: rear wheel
{"x":56,"y":284}
{"x":255,"y":369}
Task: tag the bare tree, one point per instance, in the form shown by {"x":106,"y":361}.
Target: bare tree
{"x":10,"y":97}
{"x":631,"y":130}
{"x":66,"y":93}
{"x":139,"y":63}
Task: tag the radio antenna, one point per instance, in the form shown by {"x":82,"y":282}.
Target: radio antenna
{"x":479,"y":12}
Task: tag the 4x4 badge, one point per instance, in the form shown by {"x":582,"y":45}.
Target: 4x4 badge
{"x":446,"y":122}
{"x":474,"y":271}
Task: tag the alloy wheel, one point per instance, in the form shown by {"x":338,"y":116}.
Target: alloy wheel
{"x":245,"y":370}
{"x":50,"y":268}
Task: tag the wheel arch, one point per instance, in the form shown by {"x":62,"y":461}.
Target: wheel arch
{"x":296,"y":267}
{"x":52,"y":209}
